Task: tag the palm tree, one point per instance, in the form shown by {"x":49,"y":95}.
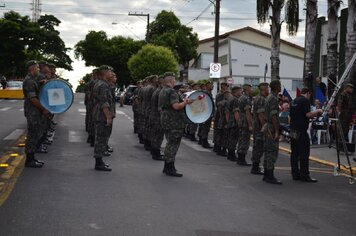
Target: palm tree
{"x":351,"y":39}
{"x":292,"y":19}
{"x":310,"y":36}
{"x":333,"y":8}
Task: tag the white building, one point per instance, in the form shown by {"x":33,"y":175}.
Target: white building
{"x":244,"y":54}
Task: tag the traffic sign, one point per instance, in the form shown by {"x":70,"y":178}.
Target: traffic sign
{"x":215,"y":70}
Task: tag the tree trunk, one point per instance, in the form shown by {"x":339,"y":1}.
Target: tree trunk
{"x":310,"y":35}
{"x":276,"y":37}
{"x":332,"y":44}
{"x":351,"y":40}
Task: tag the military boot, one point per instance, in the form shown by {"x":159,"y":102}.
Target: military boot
{"x":200,"y":141}
{"x":156,"y":155}
{"x":205,"y":143}
{"x":231,"y":155}
{"x":171,"y":170}
{"x":141,"y":139}
{"x":147,"y":145}
{"x":269,"y":177}
{"x":222,"y":152}
{"x":110,"y":149}
{"x":100,"y":165}
{"x":256,"y":170}
{"x":32,"y":162}
{"x":193,"y":138}
{"x":241,"y":161}
{"x":165,"y":168}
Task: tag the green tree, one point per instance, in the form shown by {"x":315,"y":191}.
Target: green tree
{"x":97,"y":49}
{"x":152,"y":60}
{"x":23,"y":40}
{"x":82,"y":83}
{"x":166,"y":30}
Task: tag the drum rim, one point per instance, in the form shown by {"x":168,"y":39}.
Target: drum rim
{"x":62,"y":81}
{"x":211,"y":98}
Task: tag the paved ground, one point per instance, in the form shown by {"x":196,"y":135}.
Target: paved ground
{"x":215,"y":196}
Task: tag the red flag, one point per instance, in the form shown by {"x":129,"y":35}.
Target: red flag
{"x":298,"y":92}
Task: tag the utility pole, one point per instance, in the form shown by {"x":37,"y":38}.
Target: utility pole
{"x":148,"y":21}
{"x":217,"y":25}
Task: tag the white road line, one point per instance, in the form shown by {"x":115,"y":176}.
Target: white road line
{"x":75,"y":136}
{"x":120,"y":113}
{"x":81,"y":102}
{"x":21,"y":109}
{"x":15,"y":134}
{"x":82,"y":110}
{"x":5,"y":108}
{"x":13,"y":100}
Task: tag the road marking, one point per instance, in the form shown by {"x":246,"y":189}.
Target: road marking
{"x":82,"y":110}
{"x":81,"y":102}
{"x":121,"y":113}
{"x":14,"y":134}
{"x":13,"y":100}
{"x":5,"y":108}
{"x":75,"y":136}
{"x":21,"y":109}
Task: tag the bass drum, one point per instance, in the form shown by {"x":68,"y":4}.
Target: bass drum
{"x":56,"y":96}
{"x":202,"y":107}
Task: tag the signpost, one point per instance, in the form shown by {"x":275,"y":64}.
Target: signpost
{"x":215,"y":70}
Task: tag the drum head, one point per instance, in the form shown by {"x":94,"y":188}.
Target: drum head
{"x":201,"y":109}
{"x":56,"y":96}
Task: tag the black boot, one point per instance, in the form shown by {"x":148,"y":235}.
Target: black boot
{"x":222,"y":152}
{"x":256,"y":170}
{"x":156,"y":155}
{"x":100,"y":165}
{"x":269,"y":177}
{"x":92,"y":143}
{"x":171,"y":170}
{"x":200,"y":141}
{"x":147,"y":145}
{"x":107,"y":154}
{"x":241,"y":161}
{"x":216,"y":148}
{"x":110,"y":149}
{"x":32,"y":162}
{"x":193,"y":138}
{"x":165,"y":168}
{"x":89,"y":139}
{"x":205,"y":143}
{"x":231,"y":155}
{"x":141,"y":139}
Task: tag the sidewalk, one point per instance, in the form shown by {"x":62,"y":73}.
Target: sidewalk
{"x":323,"y":154}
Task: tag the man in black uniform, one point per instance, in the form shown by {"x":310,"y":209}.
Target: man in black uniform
{"x":300,"y":142}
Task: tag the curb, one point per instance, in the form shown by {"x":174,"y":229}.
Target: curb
{"x":323,"y":162}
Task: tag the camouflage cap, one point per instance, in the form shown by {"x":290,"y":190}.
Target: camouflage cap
{"x":169,"y":74}
{"x":349,"y":85}
{"x":235,"y":88}
{"x":31,"y":63}
{"x":246,"y":85}
{"x":224,"y":83}
{"x":105,"y":67}
{"x":262,"y":84}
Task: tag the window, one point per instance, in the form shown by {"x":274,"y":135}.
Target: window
{"x":297,"y":84}
{"x":223,"y":60}
{"x":253,"y":81}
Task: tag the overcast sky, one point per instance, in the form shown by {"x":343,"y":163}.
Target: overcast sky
{"x":80,"y":16}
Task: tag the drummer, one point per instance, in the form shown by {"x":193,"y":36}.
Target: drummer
{"x":34,"y":113}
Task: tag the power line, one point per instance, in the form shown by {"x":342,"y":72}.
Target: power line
{"x":201,"y":13}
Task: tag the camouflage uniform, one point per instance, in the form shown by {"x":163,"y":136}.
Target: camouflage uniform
{"x":245,"y":104}
{"x":90,"y":110}
{"x":154,"y":118}
{"x":147,"y":110}
{"x":172,"y":122}
{"x":103,"y":98}
{"x":347,"y":110}
{"x":135,"y":107}
{"x":258,"y":136}
{"x":222,"y":124}
{"x":217,"y":135}
{"x":31,"y":89}
{"x":271,"y":146}
{"x":204,"y":128}
{"x":233,"y":128}
{"x":140,"y":113}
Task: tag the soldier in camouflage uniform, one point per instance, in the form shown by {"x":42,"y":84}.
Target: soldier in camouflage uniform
{"x":140,"y":112}
{"x":34,"y":113}
{"x":233,"y":118}
{"x":151,"y":87}
{"x":245,"y":125}
{"x":204,"y":128}
{"x":271,"y":132}
{"x":223,"y":108}
{"x":172,"y":122}
{"x":346,"y":106}
{"x":192,"y":127}
{"x":156,"y":130}
{"x":217,"y":135}
{"x":88,"y":101}
{"x":135,"y":105}
{"x":103,"y":115}
{"x":258,"y":122}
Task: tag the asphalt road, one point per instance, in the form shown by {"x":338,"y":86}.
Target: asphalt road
{"x":214,"y":198}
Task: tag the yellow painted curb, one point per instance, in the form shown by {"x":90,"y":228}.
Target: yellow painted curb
{"x":320,"y":161}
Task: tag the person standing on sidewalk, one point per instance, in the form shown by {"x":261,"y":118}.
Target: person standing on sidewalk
{"x":300,"y":143}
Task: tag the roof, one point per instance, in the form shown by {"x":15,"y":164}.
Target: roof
{"x":248,"y":28}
